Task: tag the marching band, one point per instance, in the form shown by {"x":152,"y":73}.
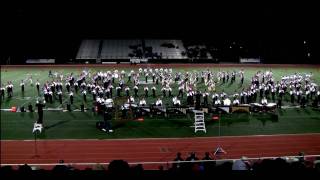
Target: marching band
{"x":299,"y":87}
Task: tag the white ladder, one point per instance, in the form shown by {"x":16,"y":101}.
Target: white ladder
{"x":199,"y":124}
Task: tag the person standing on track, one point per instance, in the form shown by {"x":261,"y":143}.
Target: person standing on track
{"x":40,"y":107}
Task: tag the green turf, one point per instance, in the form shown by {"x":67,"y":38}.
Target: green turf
{"x":74,"y":125}
{"x":68,"y":125}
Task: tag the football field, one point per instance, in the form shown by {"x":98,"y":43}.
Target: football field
{"x":60,"y":124}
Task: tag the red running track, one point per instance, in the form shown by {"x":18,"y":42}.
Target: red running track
{"x":151,"y":150}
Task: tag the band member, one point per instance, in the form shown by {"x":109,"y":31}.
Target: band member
{"x":129,"y":77}
{"x":264,"y":101}
{"x":292,"y":96}
{"x":76,"y":87}
{"x":146,"y":76}
{"x":217,"y":102}
{"x":146,"y":89}
{"x":261,"y":88}
{"x":131,"y":100}
{"x":226,"y":102}
{"x":121,"y":83}
{"x":159,"y":102}
{"x":307,"y":95}
{"x":50,"y":95}
{"x":94,"y":95}
{"x":83,"y":85}
{"x":298,"y":95}
{"x":46,"y":94}
{"x":170,"y":91}
{"x":127,"y":89}
{"x":142,"y":102}
{"x":266,"y":91}
{"x":242,"y":78}
{"x":281,"y":93}
{"x":273,"y":93}
{"x":71,"y":97}
{"x":84,"y":93}
{"x":100,"y":92}
{"x":235,"y":102}
{"x":205,"y":98}
{"x":153,"y":77}
{"x":233,"y":77}
{"x":68,"y":86}
{"x":22,"y":86}
{"x":2,"y":91}
{"x":243,"y":94}
{"x":60,"y":96}
{"x":136,"y":88}
{"x":107,"y":92}
{"x":38,"y":86}
{"x":198,"y":100}
{"x":163,"y":91}
{"x":110,"y":87}
{"x":9,"y":89}
{"x":190,"y":98}
{"x":118,"y":89}
{"x":313,"y":91}
{"x":180,"y":91}
{"x":176,"y":101}
{"x":223,"y":78}
{"x":154,"y":91}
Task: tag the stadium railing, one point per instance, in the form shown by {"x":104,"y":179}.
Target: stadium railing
{"x":165,"y":165}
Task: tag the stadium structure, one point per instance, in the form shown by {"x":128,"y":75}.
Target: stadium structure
{"x":177,"y":102}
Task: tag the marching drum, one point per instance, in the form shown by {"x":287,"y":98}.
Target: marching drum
{"x":108,"y":103}
{"x":271,"y":106}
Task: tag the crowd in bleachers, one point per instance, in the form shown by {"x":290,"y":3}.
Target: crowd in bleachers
{"x":189,"y":166}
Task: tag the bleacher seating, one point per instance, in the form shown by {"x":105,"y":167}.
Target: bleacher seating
{"x":113,"y":49}
{"x":88,"y":49}
{"x":166,"y":49}
{"x":120,"y":49}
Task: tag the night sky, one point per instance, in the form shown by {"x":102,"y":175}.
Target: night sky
{"x":56,"y":30}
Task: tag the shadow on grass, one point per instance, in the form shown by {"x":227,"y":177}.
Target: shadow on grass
{"x":265,"y":117}
{"x":56,"y":124}
{"x":229,"y":119}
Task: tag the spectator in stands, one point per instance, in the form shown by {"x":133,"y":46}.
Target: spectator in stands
{"x":208,"y":165}
{"x":61,"y":168}
{"x":178,"y":158}
{"x":241,"y":164}
{"x":119,"y":168}
{"x":25,"y":168}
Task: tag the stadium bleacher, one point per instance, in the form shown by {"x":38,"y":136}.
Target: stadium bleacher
{"x":88,"y":49}
{"x":166,"y":49}
{"x":120,"y":49}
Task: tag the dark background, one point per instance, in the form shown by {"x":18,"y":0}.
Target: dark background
{"x":274,"y":32}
